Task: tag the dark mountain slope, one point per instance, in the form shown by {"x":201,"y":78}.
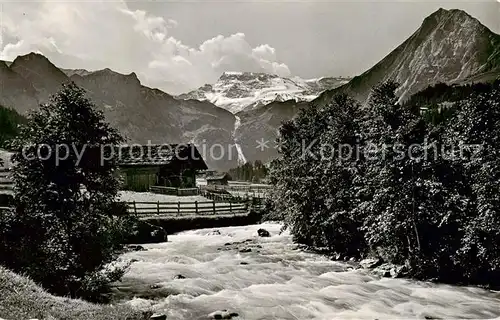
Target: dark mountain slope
{"x":449,"y":47}
{"x":142,"y":114}
{"x":44,"y":76}
{"x":15,"y":91}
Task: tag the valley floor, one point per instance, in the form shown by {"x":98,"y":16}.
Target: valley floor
{"x":130,"y":196}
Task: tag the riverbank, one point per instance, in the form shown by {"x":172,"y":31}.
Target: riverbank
{"x":199,"y":272}
{"x":21,"y":298}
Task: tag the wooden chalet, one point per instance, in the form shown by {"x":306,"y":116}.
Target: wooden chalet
{"x":175,"y":166}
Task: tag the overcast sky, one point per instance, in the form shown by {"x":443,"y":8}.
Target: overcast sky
{"x":180,"y":45}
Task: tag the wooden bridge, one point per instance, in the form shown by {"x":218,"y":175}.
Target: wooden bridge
{"x":183,"y":209}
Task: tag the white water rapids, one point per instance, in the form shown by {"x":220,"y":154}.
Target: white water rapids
{"x":281,"y":282}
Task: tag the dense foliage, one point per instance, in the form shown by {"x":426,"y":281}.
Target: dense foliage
{"x":251,"y":172}
{"x":67,"y":226}
{"x":413,"y":184}
{"x":9,"y":123}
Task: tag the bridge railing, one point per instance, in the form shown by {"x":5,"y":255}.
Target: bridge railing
{"x":186,"y":208}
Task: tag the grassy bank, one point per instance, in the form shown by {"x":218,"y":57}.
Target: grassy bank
{"x":21,"y":298}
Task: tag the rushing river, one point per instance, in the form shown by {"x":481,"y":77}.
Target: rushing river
{"x":276,"y":281}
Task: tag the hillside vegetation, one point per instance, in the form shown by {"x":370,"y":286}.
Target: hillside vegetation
{"x":415,"y":185}
{"x":251,"y":172}
{"x":9,"y":122}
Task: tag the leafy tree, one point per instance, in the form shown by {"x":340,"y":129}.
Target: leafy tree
{"x":295,"y":188}
{"x":477,"y":128}
{"x":64,"y":231}
{"x":315,"y":177}
{"x":411,"y":204}
{"x":338,"y":172}
{"x":388,"y":182}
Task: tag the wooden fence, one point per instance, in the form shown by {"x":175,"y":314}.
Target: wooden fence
{"x":220,"y":197}
{"x":174,"y":191}
{"x":186,"y":208}
{"x":239,"y":188}
{"x":226,"y":193}
{"x":254,"y":199}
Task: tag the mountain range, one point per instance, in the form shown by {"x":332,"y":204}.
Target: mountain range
{"x":245,"y":91}
{"x":142,"y":114}
{"x":243,"y":108}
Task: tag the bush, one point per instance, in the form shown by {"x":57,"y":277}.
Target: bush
{"x":65,"y":229}
{"x":21,"y":298}
{"x":315,"y":196}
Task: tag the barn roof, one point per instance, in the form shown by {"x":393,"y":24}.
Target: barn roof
{"x":158,"y":155}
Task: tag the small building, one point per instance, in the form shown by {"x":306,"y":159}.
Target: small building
{"x":218,"y":179}
{"x":175,"y":165}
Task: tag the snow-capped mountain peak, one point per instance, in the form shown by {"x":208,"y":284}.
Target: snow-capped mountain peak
{"x":238,"y":91}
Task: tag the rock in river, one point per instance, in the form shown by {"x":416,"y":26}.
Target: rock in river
{"x":158,"y":316}
{"x":222,"y":314}
{"x":263,"y":233}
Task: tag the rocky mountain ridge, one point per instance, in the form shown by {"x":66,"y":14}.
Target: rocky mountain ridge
{"x":245,"y":91}
{"x":142,"y":114}
{"x":449,"y":47}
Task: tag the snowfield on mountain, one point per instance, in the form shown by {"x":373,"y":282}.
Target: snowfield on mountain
{"x":244,"y":91}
